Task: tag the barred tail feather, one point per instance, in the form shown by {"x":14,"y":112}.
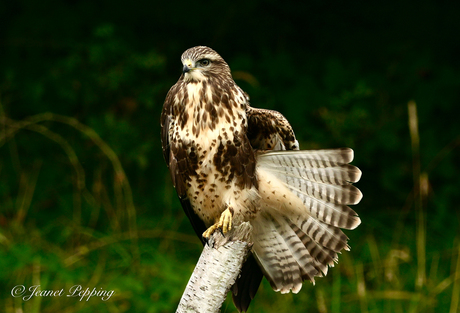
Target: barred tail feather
{"x":327,"y":166}
{"x":304,"y":196}
{"x":345,"y":194}
{"x":270,"y":250}
{"x":303,"y":159}
{"x":322,"y":257}
{"x":337,"y":215}
{"x":339,"y":174}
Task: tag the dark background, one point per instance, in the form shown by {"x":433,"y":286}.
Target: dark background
{"x":85,"y":197}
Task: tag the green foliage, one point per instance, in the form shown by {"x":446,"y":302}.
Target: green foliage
{"x":85,"y":197}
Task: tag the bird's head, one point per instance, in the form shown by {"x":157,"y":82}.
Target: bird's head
{"x":200,"y":63}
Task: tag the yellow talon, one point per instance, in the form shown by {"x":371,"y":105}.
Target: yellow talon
{"x":224,"y":223}
{"x":207,"y":234}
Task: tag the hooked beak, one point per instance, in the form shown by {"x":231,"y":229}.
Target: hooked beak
{"x":188,"y":66}
{"x":185,"y":69}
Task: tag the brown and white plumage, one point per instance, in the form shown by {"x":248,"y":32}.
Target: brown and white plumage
{"x":229,"y":159}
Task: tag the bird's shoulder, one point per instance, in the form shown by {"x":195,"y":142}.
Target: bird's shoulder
{"x":270,"y":130}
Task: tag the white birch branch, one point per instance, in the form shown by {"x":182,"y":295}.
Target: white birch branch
{"x":216,"y":271}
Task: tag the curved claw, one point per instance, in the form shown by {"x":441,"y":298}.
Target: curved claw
{"x":224,"y":224}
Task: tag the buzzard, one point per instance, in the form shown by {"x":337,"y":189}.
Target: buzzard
{"x":232,"y":163}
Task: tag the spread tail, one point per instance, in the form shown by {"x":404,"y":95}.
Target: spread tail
{"x":304,"y":198}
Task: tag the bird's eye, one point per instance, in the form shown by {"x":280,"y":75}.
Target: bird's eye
{"x":204,"y":62}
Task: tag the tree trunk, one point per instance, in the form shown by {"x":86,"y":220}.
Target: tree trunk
{"x":216,"y":271}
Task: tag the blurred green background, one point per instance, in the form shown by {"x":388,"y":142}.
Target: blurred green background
{"x":85,"y":196}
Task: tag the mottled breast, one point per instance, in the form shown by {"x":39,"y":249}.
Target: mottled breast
{"x":211,"y":128}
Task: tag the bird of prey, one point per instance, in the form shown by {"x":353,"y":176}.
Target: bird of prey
{"x":231,"y":163}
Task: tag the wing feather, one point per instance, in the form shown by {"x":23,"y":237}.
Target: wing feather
{"x":269,"y":130}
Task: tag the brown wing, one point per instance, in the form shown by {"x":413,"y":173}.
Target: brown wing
{"x":270,"y":130}
{"x":176,"y":161}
